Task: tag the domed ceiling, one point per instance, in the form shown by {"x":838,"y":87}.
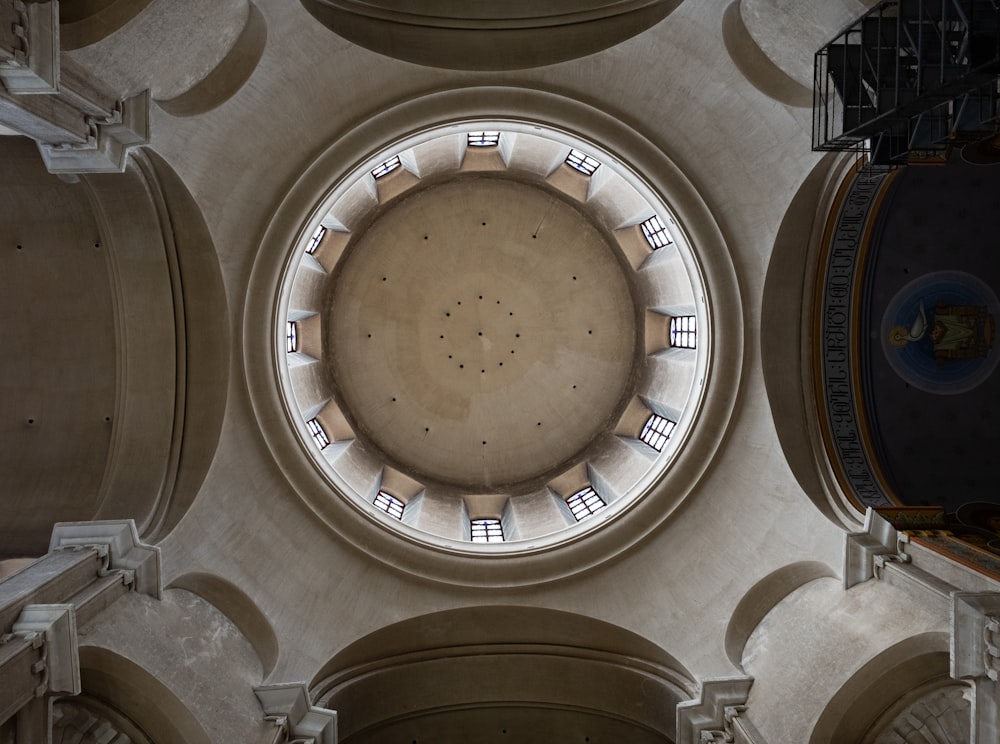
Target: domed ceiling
{"x":461,"y":35}
{"x":468,"y":310}
{"x":930,"y":351}
{"x":492,"y":337}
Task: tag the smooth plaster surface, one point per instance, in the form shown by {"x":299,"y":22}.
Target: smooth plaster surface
{"x":743,"y":154}
{"x":482,"y":332}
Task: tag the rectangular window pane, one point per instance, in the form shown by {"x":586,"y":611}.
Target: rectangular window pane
{"x":656,"y":233}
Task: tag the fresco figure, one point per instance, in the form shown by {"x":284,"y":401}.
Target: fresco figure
{"x":961,"y":332}
{"x":956,"y":332}
{"x":938,"y":332}
{"x":899,"y":336}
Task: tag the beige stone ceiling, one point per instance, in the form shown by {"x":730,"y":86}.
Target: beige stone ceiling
{"x":482,"y":332}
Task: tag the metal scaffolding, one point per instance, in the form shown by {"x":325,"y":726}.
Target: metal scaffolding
{"x":908,"y":79}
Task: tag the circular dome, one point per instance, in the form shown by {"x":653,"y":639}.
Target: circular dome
{"x":555,"y":516}
{"x":481,"y":332}
{"x":492,"y":336}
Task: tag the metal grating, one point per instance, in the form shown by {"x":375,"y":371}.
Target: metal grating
{"x":486,"y":530}
{"x":585,"y":503}
{"x":683,"y":332}
{"x":318,"y":434}
{"x":315,"y":240}
{"x":657,"y":431}
{"x":656,"y":233}
{"x":484,"y":139}
{"x":384,"y":169}
{"x":582,"y":162}
{"x":389,"y":504}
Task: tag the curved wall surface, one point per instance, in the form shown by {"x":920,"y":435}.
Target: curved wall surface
{"x":481,"y":36}
{"x":58,"y":379}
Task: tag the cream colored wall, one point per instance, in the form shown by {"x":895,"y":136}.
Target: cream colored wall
{"x":744,"y":157}
{"x":57,"y":378}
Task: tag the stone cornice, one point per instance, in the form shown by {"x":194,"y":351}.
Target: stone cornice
{"x":289,"y":707}
{"x":709,"y":718}
{"x":125,"y":551}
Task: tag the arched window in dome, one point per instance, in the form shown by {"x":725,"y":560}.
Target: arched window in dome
{"x":582,"y":162}
{"x":315,"y":240}
{"x":486,"y":530}
{"x":656,"y":233}
{"x":585,"y":503}
{"x":492,"y":173}
{"x":318,"y":434}
{"x":484,"y":139}
{"x":386,"y":167}
{"x":389,"y":504}
{"x":291,"y":337}
{"x":657,"y":431}
{"x":683,"y":332}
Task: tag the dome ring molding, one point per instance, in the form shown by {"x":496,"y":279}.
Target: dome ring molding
{"x":514,"y":564}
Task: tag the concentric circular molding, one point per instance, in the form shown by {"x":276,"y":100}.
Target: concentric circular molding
{"x":454,"y":261}
{"x":553,"y":548}
{"x":514,"y":34}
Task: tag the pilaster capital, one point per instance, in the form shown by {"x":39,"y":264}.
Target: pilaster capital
{"x":289,"y":706}
{"x":55,"y":624}
{"x":124,"y":550}
{"x":865,"y":552}
{"x":108,"y":143}
{"x":29,"y":47}
{"x":710,"y":717}
{"x":975,"y":635}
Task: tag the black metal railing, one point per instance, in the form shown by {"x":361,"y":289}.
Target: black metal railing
{"x":909,"y":78}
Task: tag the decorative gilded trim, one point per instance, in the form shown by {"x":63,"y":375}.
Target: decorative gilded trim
{"x":844,"y":429}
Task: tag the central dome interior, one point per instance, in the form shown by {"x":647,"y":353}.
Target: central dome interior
{"x":481,"y":333}
{"x":491,"y":336}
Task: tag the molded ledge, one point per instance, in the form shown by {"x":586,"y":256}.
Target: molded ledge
{"x":289,"y":706}
{"x":38,"y":72}
{"x":695,"y":718}
{"x":57,"y":624}
{"x":975,"y":617}
{"x":125,"y":550}
{"x":106,"y":151}
{"x":861,"y":548}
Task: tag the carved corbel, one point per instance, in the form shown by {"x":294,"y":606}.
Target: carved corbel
{"x":29,"y":47}
{"x":125,"y":551}
{"x":975,"y":639}
{"x":39,"y":659}
{"x":106,"y":147}
{"x":975,"y":658}
{"x":865,"y":553}
{"x":79,"y":126}
{"x":55,"y":624}
{"x":710,"y":717}
{"x":288,"y":706}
